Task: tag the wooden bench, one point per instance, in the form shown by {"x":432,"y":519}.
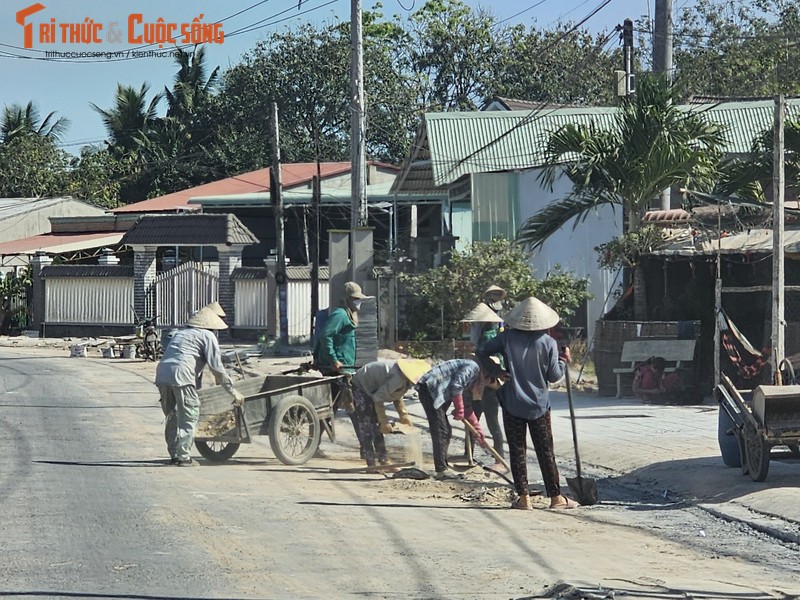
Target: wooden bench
{"x":676,"y":353}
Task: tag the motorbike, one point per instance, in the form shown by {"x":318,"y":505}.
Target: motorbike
{"x":148,"y":344}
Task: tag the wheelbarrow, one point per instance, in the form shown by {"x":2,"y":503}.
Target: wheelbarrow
{"x":291,"y":410}
{"x":770,"y":419}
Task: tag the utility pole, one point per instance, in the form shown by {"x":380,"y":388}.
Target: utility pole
{"x":358,"y":215}
{"x":662,"y":39}
{"x":315,"y":202}
{"x":627,"y":56}
{"x":275,"y":190}
{"x":662,"y":59}
{"x":778,"y":182}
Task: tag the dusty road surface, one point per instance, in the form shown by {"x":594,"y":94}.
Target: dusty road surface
{"x":90,"y":509}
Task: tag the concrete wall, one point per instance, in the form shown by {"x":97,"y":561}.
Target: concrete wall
{"x":572,"y":248}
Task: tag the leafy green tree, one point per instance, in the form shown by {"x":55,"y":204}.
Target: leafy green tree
{"x":453,"y":55}
{"x":18,"y":121}
{"x":741,"y":48}
{"x":32,"y":166}
{"x":558,"y":66}
{"x":95,"y":177}
{"x":654,"y":145}
{"x":442,"y":296}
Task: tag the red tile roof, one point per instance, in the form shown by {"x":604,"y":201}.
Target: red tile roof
{"x":55,"y":243}
{"x":292,"y":175}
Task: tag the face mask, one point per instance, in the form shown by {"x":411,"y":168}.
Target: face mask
{"x":356,"y":304}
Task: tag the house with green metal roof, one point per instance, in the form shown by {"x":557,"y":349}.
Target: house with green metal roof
{"x":487,"y":164}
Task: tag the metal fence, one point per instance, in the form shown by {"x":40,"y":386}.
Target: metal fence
{"x":100,"y":300}
{"x":256,"y":303}
{"x":181,"y":291}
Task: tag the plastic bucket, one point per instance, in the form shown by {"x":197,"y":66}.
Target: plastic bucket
{"x":129,"y":352}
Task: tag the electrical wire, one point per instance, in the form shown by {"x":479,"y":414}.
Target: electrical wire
{"x":522,"y":12}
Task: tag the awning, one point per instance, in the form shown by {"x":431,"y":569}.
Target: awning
{"x":58,"y":243}
{"x":756,"y":241}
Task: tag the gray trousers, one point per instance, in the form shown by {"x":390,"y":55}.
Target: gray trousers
{"x":181,"y":407}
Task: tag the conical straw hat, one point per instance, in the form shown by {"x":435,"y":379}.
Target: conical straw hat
{"x":495,"y":291}
{"x":413,"y":368}
{"x":216,"y":308}
{"x":531,"y":315}
{"x":482,"y":314}
{"x":206,"y":319}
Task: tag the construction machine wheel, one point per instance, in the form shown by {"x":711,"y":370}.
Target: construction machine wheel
{"x":757,"y":454}
{"x":216,"y":451}
{"x":294,"y":430}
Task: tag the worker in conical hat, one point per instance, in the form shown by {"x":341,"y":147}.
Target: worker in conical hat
{"x":484,"y":324}
{"x":533,"y":361}
{"x":374,"y":385}
{"x":216,"y":308}
{"x":185,"y":357}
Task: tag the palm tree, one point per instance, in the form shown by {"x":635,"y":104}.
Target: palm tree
{"x":191,"y":87}
{"x":654,"y":145}
{"x":18,"y":120}
{"x":130,"y":120}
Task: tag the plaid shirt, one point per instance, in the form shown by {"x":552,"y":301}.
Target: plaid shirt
{"x":450,"y":378}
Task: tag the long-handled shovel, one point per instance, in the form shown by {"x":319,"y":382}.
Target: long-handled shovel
{"x":492,"y":451}
{"x":583,"y":488}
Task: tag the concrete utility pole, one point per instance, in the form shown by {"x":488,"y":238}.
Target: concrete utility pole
{"x":275,"y":190}
{"x":358,"y":217}
{"x":627,"y":56}
{"x":662,"y":38}
{"x":778,"y":182}
{"x":662,"y":59}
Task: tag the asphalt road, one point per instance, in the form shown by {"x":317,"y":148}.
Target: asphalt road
{"x":89,"y":509}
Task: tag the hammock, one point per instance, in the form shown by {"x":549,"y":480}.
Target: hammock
{"x":749,"y":362}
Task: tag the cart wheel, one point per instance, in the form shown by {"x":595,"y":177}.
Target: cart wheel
{"x":757,"y":454}
{"x":294,"y":430}
{"x":216,"y":451}
{"x":794,"y":449}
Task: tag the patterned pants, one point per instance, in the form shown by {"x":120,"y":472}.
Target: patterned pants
{"x":368,"y":432}
{"x":542,"y":437}
{"x":439,"y":426}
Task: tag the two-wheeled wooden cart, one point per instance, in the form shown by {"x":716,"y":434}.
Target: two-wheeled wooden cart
{"x":292,"y":410}
{"x":770,"y":418}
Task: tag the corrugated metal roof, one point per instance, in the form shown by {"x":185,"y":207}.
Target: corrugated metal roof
{"x":10,"y":207}
{"x":292,"y":175}
{"x":479,"y":142}
{"x":87,"y":271}
{"x":461,"y":143}
{"x":189,"y":230}
{"x":756,"y":241}
{"x":304,"y":272}
{"x":379,"y":192}
{"x":56,"y":243}
{"x":249,"y":273}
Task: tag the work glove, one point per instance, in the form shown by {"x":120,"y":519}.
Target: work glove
{"x":458,"y":407}
{"x":386,"y":429}
{"x":479,"y":438}
{"x":380,"y":412}
{"x":402,"y":412}
{"x":238,"y":398}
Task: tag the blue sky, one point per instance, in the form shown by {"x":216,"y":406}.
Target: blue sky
{"x":68,"y":87}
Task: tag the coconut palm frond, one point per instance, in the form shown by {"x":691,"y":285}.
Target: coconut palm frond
{"x":535,"y":231}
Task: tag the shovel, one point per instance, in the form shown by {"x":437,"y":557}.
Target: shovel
{"x":492,"y":451}
{"x":583,"y":488}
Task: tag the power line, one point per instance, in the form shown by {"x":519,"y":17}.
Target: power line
{"x":539,"y":3}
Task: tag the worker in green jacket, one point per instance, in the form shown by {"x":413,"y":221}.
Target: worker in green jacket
{"x":335,"y":351}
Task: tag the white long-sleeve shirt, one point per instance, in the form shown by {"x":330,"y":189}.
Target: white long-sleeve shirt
{"x":187,"y":354}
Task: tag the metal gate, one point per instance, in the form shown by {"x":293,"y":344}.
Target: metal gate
{"x":179,"y":292}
